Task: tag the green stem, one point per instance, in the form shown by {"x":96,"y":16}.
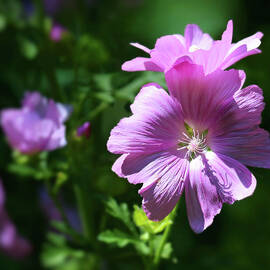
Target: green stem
{"x":164,"y":239}
{"x":84,"y":212}
{"x":56,"y":202}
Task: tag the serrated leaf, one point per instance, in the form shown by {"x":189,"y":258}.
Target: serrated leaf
{"x":117,"y":237}
{"x":121,"y":212}
{"x":153,"y":227}
{"x":122,"y":239}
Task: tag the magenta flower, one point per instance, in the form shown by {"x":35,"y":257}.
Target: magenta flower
{"x":199,"y":47}
{"x":37,"y":126}
{"x":84,"y":130}
{"x":57,"y":32}
{"x":195,"y":140}
{"x":11,"y":242}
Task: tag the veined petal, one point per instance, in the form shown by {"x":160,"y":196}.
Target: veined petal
{"x":201,"y":95}
{"x":213,"y":180}
{"x":167,"y":50}
{"x":242,"y":112}
{"x":146,"y":168}
{"x":141,"y":64}
{"x":238,"y":54}
{"x":202,"y":200}
{"x":196,"y":39}
{"x":155,"y":125}
{"x":161,"y":195}
{"x":252,"y":42}
{"x":236,"y":132}
{"x":251,"y":147}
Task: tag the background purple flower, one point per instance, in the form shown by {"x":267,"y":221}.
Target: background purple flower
{"x":11,"y":242}
{"x":37,"y":126}
{"x":199,"y":47}
{"x":194,"y":140}
{"x":53,"y":214}
{"x":84,"y":130}
{"x":57,"y":32}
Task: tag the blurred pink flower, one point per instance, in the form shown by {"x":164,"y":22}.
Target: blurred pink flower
{"x":11,"y":242}
{"x":199,"y":47}
{"x":37,"y":126}
{"x":57,"y":32}
{"x":84,"y":130}
{"x":194,"y":140}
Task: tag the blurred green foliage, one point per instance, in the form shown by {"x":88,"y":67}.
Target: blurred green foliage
{"x":84,"y":69}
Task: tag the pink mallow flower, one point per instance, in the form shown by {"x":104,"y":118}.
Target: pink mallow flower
{"x":37,"y":126}
{"x":195,"y":140}
{"x":199,"y":47}
{"x":11,"y":243}
{"x":84,"y":130}
{"x":57,"y":32}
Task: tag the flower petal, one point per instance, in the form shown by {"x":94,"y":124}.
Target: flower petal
{"x":145,"y":168}
{"x":141,"y":47}
{"x":161,"y":194}
{"x":213,"y":180}
{"x":141,"y":64}
{"x":156,"y":124}
{"x":236,"y":132}
{"x":167,"y":50}
{"x":196,"y":38}
{"x":201,"y":95}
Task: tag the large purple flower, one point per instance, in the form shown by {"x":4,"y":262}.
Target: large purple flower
{"x":199,"y":47}
{"x":11,"y":242}
{"x":37,"y":126}
{"x":195,"y":140}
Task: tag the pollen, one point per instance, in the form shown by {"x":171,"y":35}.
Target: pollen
{"x":195,"y":144}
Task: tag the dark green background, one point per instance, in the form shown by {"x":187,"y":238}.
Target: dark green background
{"x":239,"y":238}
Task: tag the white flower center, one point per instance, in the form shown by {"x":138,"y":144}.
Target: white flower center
{"x":195,"y":144}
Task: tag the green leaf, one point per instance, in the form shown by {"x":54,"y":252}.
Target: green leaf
{"x":58,"y":255}
{"x":28,"y":49}
{"x":61,"y":179}
{"x":167,"y":251}
{"x":122,"y":239}
{"x":3,"y":22}
{"x":167,"y":248}
{"x":22,"y":170}
{"x":117,"y":237}
{"x":54,"y":256}
{"x":103,"y":81}
{"x":56,"y":239}
{"x":129,"y":91}
{"x":153,"y":227}
{"x":121,"y":212}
